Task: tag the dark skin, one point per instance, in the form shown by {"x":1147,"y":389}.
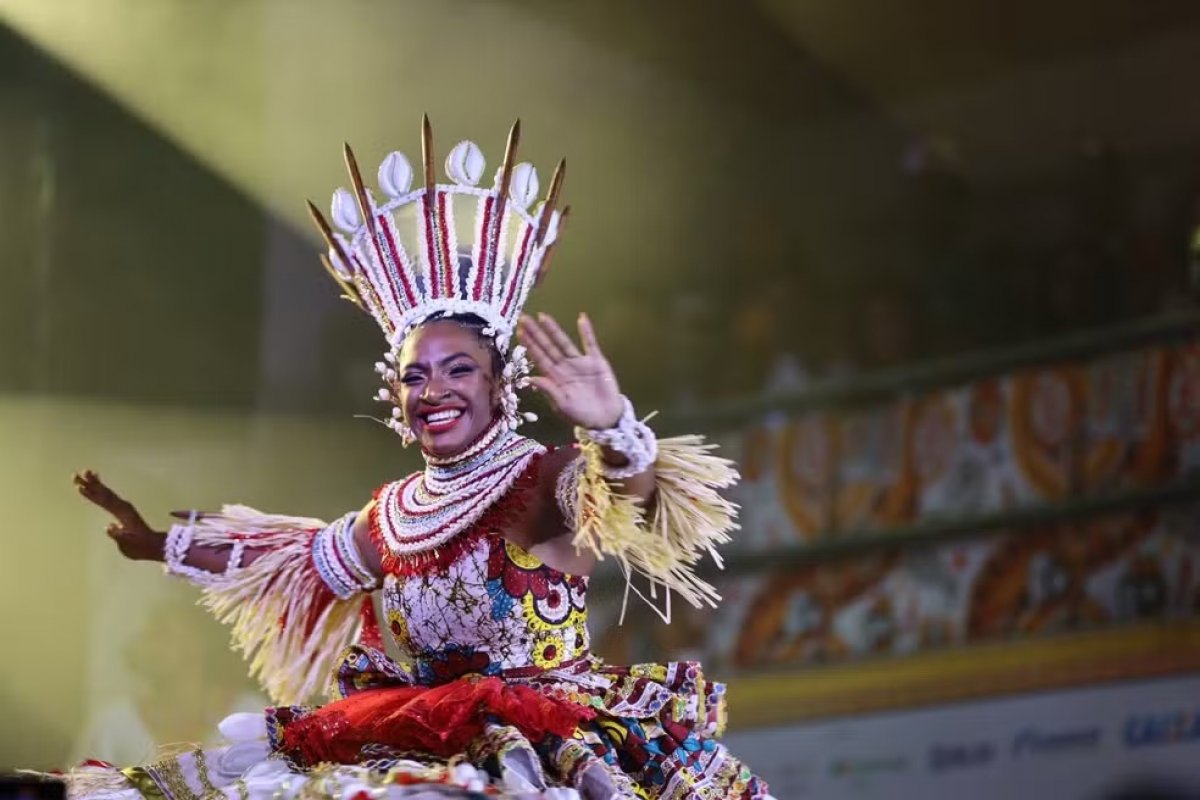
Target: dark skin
{"x":446,"y":367}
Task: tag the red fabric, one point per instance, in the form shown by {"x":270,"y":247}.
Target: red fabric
{"x":442,"y":720}
{"x":369,"y":635}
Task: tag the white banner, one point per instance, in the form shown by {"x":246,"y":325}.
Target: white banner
{"x":1081,"y":744}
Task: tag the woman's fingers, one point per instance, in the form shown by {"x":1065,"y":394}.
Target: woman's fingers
{"x":587,"y":335}
{"x":558,"y":336}
{"x":536,"y":333}
{"x":542,"y":356}
{"x":89,"y":485}
{"x":95,"y":491}
{"x":85,"y":481}
{"x":547,"y":387}
{"x":540,"y":359}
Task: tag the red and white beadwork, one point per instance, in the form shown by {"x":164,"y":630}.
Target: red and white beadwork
{"x":452,"y":248}
{"x":443,"y":250}
{"x":337,"y":560}
{"x":427,"y":509}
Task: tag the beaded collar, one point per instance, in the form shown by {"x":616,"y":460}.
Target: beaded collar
{"x":418,"y":514}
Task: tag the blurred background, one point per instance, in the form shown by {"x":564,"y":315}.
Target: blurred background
{"x":927,"y":269}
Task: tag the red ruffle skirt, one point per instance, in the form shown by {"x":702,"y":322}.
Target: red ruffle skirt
{"x":441,"y":720}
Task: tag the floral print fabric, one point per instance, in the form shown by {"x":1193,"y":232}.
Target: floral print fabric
{"x":496,"y":610}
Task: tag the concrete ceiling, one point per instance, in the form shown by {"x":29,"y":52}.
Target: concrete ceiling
{"x":1017,"y":84}
{"x":709,"y":143}
{"x":896,"y":52}
{"x":797,"y":109}
{"x":663,"y":111}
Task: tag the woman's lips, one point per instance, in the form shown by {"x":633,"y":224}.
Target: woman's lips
{"x":443,"y":420}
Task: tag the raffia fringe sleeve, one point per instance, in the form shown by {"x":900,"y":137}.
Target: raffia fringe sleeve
{"x":284,"y":618}
{"x":688,"y":518}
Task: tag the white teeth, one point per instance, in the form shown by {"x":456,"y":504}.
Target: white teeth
{"x":444,"y":416}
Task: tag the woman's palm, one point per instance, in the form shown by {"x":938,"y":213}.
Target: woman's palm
{"x":580,"y":385}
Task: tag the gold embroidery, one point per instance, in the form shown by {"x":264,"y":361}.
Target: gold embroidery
{"x":205,"y":782}
{"x":171,"y":774}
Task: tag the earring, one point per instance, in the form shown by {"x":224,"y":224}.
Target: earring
{"x":396,"y":423}
{"x":406,"y":435}
{"x":515,"y":376}
{"x":401,"y":428}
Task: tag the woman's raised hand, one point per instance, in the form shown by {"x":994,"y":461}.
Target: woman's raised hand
{"x":133,"y":536}
{"x":579,"y":384}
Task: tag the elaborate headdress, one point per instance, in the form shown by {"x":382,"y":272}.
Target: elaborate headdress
{"x":444,"y":249}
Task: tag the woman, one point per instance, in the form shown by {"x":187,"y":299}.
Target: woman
{"x":482,"y":559}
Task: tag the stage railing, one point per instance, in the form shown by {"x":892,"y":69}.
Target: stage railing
{"x":886,"y":384}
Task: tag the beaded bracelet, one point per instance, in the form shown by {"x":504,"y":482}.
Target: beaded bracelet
{"x":175,"y":550}
{"x":631,"y":438}
{"x":348,"y":549}
{"x":337,"y":560}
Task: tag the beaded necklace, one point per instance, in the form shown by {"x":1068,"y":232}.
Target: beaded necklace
{"x":424,"y":511}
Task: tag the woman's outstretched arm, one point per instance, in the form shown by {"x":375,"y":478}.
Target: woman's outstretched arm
{"x":291,"y":588}
{"x":137,"y":541}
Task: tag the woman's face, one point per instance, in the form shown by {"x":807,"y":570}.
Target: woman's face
{"x":446,"y":387}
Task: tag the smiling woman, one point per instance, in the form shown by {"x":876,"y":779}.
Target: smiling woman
{"x":449,"y":387}
{"x":482,"y":559}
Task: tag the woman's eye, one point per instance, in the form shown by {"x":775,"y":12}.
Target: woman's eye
{"x":410,"y":380}
{"x":460,"y":370}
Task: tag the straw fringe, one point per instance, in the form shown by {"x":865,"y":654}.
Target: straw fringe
{"x":284,"y":620}
{"x":82,"y":782}
{"x":688,"y":518}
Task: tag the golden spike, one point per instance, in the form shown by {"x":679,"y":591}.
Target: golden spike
{"x":510,"y":155}
{"x":327,"y":233}
{"x":545,"y":265}
{"x":348,"y":291}
{"x":427,"y":158}
{"x":360,"y":191}
{"x":336,"y":246}
{"x":551,"y":201}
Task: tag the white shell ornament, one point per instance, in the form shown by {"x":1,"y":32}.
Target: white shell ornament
{"x":465,"y":164}
{"x":340,"y":268}
{"x":345,"y":211}
{"x":552,"y":228}
{"x":523,"y":186}
{"x":395,"y":174}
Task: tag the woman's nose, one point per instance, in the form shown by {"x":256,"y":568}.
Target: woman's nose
{"x":434,"y":390}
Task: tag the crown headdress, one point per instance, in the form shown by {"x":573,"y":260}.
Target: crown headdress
{"x":444,"y":248}
{"x":452,"y":248}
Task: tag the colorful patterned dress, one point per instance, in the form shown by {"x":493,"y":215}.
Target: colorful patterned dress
{"x":493,"y":693}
